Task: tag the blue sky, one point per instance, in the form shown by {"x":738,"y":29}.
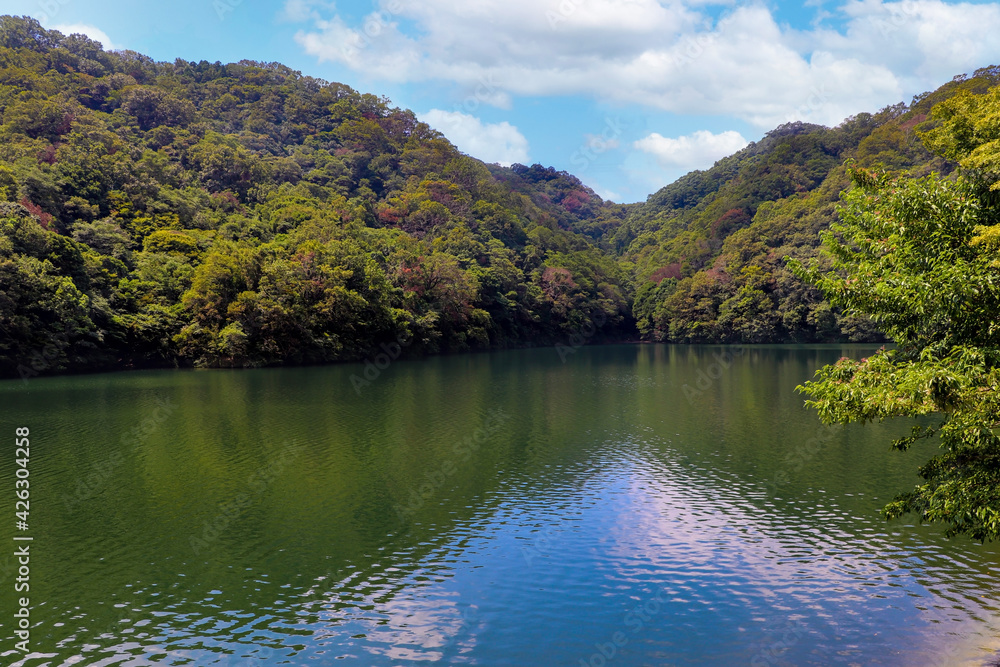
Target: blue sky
{"x":626,"y":94}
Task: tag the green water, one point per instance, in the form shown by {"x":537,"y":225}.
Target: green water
{"x":631,"y":505}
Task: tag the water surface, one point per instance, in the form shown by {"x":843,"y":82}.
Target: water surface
{"x":629,"y":505}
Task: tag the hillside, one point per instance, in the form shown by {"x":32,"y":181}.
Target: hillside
{"x":709,"y":249}
{"x":205,"y":214}
{"x":244,"y":214}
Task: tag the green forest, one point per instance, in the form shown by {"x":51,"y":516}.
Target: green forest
{"x":199,"y":214}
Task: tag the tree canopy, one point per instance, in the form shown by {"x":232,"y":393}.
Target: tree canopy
{"x":242,"y":214}
{"x":919,"y":257}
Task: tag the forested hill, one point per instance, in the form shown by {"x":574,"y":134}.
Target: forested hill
{"x":244,"y":214}
{"x":239,"y":215}
{"x":708,"y":250}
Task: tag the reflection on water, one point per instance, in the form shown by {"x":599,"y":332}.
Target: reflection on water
{"x":636,"y":505}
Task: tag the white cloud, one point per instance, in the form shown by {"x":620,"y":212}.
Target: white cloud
{"x":298,"y":11}
{"x":601,"y":143}
{"x":667,"y":54}
{"x":490,"y":142}
{"x":698,"y":150}
{"x":924,"y":42}
{"x":95,"y":34}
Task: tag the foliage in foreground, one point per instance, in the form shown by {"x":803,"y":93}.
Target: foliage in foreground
{"x":919,"y":256}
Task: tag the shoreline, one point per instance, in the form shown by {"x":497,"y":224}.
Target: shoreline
{"x":127,"y":368}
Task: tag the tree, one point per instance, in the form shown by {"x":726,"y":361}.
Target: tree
{"x":916,"y":256}
{"x":966,"y":131}
{"x":45,"y":318}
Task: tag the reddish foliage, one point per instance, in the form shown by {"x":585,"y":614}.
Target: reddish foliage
{"x":668,"y":271}
{"x":226,"y":201}
{"x":411,"y":277}
{"x":67,"y":122}
{"x":388,"y":215}
{"x":574,"y":200}
{"x":306,"y":259}
{"x":554,"y":274}
{"x":730,"y":221}
{"x":48,"y":154}
{"x":717,"y":276}
{"x":913,"y":122}
{"x":439,"y":191}
{"x":557,"y":286}
{"x":556,"y":280}
{"x":43,"y":218}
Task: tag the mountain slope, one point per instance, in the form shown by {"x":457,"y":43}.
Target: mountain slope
{"x":244,"y":214}
{"x":708,"y":249}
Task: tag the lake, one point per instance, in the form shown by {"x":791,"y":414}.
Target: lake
{"x":621,"y":505}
